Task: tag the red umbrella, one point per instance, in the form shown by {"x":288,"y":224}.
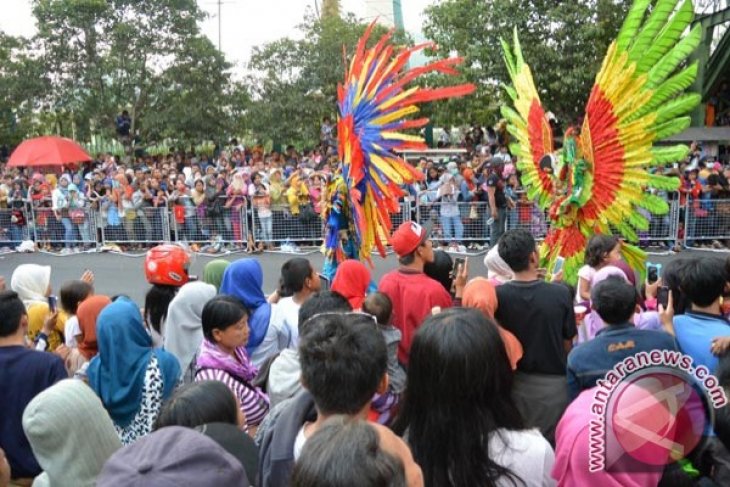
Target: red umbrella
{"x":46,"y":151}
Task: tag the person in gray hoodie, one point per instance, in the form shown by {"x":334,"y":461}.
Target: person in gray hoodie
{"x":71,"y":434}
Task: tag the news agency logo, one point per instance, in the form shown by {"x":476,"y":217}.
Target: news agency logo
{"x":652,"y":409}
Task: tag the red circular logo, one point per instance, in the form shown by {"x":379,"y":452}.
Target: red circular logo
{"x":657,"y":417}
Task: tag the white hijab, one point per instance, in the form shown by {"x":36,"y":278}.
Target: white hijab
{"x":31,"y":282}
{"x":183,"y":326}
{"x":497,"y":268}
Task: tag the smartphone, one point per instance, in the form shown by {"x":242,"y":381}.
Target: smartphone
{"x":662,"y":296}
{"x":324,"y":282}
{"x":52,"y":303}
{"x":558,"y":265}
{"x":458,"y":264}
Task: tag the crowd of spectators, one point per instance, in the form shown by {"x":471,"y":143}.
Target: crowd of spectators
{"x":431,"y":379}
{"x":244,"y":198}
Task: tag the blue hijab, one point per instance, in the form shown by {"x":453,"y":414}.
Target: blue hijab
{"x":125,"y":348}
{"x":244,"y":279}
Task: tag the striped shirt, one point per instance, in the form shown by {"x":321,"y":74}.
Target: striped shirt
{"x":254,"y":403}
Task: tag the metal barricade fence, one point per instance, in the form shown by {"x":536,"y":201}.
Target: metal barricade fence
{"x":282,"y":223}
{"x":706,"y":219}
{"x":527,"y":215}
{"x":146,"y":226}
{"x":218,"y":223}
{"x":15,"y":226}
{"x":663,"y":229}
{"x":455,"y":221}
{"x":74,"y":228}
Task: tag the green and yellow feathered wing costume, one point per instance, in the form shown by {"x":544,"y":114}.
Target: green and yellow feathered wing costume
{"x":602,"y":176}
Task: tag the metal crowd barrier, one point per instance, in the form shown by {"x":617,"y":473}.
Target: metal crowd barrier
{"x":706,"y":219}
{"x":699,"y":220}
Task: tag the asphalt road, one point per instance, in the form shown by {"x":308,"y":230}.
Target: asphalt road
{"x":123,"y":274}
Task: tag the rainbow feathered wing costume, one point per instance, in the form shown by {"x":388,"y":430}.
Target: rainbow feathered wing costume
{"x":374,"y":102}
{"x":600,"y":179}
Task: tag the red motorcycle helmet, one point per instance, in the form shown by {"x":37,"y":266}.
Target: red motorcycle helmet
{"x":167,"y":265}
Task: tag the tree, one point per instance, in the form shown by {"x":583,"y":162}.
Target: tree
{"x":330,"y":8}
{"x":294,"y":82}
{"x":145,"y":56}
{"x":564,"y":42}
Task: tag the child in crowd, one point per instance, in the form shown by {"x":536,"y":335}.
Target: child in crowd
{"x":602,"y":250}
{"x":71,"y":295}
{"x":380,"y":306}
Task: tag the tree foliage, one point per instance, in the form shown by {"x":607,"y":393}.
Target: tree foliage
{"x":293,"y":83}
{"x":564,"y":42}
{"x":94,"y":58}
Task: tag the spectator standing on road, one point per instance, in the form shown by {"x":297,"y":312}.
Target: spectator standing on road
{"x":541,"y":316}
{"x":497,"y":201}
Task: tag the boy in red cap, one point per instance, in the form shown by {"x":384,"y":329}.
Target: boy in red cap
{"x":412,"y":292}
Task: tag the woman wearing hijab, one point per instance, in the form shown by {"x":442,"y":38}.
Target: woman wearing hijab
{"x":71,"y":434}
{"x":244,"y":279}
{"x":32,"y":282}
{"x":131,"y":378}
{"x":87,"y":313}
{"x":183,"y":327}
{"x":498,"y":272}
{"x":213,"y":272}
{"x":352,"y":281}
{"x":479,"y":293}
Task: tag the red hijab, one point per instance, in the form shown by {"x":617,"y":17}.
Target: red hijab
{"x":352,"y":280}
{"x":87,"y":313}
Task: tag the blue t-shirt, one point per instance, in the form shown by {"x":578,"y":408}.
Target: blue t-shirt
{"x":24,"y":373}
{"x":695,"y":331}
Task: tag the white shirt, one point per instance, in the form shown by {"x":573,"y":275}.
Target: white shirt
{"x":525,"y":453}
{"x":287,"y":317}
{"x":70,"y":330}
{"x":278,"y":337}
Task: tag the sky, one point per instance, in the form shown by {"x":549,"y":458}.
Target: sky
{"x":243,"y":27}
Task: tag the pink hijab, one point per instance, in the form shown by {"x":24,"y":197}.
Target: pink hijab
{"x":572,"y":452}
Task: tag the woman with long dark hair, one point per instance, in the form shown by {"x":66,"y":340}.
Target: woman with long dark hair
{"x":458,"y":416}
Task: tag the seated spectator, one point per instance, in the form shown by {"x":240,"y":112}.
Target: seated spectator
{"x":173,"y":456}
{"x":703,"y":282}
{"x":412,"y":292}
{"x":183,"y":325}
{"x":614,"y":300}
{"x":298,"y":282}
{"x":380,"y":306}
{"x":199,"y":403}
{"x":131,"y":378}
{"x":285,"y":371}
{"x":344,"y":363}
{"x":244,"y":280}
{"x":71,"y":434}
{"x":213,"y":272}
{"x":352,"y":280}
{"x":541,"y":316}
{"x":458,"y":416}
{"x":348,"y":451}
{"x":23,"y":374}
{"x":223,"y":357}
{"x":481,"y":294}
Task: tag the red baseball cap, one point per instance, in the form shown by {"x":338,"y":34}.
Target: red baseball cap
{"x":407,"y":237}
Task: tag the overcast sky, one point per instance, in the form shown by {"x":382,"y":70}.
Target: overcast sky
{"x":242,"y":26}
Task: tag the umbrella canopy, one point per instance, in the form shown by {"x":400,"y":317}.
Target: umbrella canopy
{"x":48,"y":150}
